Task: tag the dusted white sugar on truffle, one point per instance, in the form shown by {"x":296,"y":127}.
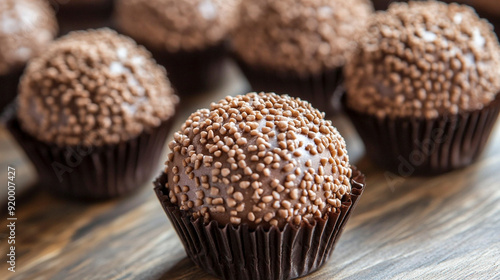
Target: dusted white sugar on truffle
{"x":258,"y":159}
{"x":302,"y":36}
{"x":175,"y":25}
{"x":424,"y":59}
{"x":93,"y":88}
{"x":26,"y":28}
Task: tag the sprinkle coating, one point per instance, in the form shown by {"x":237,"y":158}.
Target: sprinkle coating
{"x":259,"y":181}
{"x":300,"y":36}
{"x":175,"y":25}
{"x":26,"y":28}
{"x":93,"y":88}
{"x":424,"y":59}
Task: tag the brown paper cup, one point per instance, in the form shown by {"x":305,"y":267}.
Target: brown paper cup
{"x":323,"y":91}
{"x":417,"y":146}
{"x":238,"y":252}
{"x":92,"y":172}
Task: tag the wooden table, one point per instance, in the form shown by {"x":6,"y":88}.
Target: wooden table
{"x":445,"y":227}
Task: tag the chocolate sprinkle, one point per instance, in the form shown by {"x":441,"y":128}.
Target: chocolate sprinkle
{"x":276,"y":187}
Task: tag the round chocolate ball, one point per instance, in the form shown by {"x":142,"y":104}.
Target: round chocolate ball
{"x":173,"y":25}
{"x":93,"y":88}
{"x":26,"y":28}
{"x":258,"y":159}
{"x":299,"y":36}
{"x":424,"y":60}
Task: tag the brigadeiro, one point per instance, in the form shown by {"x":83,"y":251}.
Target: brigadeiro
{"x":299,"y":47}
{"x":187,"y":37}
{"x":93,"y":114}
{"x":26,"y":28}
{"x":83,"y":14}
{"x":486,"y":8}
{"x":422,"y":89}
{"x":259,"y":186}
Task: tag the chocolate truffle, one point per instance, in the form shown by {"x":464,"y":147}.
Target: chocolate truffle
{"x":26,"y":28}
{"x":302,"y":36}
{"x":258,"y":159}
{"x":424,"y":60}
{"x":422,"y":88}
{"x":94,"y":111}
{"x":487,"y":9}
{"x":187,"y":37}
{"x":262,"y":180}
{"x":302,"y":40}
{"x":93,"y":88}
{"x":178,"y":25}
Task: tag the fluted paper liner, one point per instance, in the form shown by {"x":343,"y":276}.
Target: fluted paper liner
{"x":323,"y":90}
{"x":92,"y":172}
{"x":237,"y":252}
{"x":418,"y":146}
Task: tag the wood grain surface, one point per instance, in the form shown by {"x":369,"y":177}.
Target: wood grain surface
{"x":445,"y":227}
